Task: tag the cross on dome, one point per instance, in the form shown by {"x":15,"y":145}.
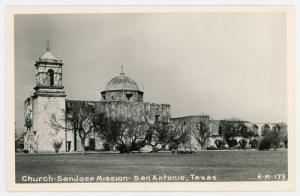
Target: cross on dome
{"x":122,"y":70}
{"x":48,"y":46}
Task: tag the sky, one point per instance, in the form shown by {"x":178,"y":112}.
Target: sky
{"x":221,"y":64}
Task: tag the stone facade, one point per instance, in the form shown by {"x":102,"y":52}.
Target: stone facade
{"x":122,"y":95}
{"x":121,"y":99}
{"x":189,"y":124}
{"x":126,"y":111}
{"x":47,"y":101}
{"x":136,"y":111}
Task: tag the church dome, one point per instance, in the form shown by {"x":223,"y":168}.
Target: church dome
{"x":121,"y":82}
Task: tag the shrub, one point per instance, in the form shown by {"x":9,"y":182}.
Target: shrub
{"x":122,"y":148}
{"x":271,"y":140}
{"x":173,"y":145}
{"x":243,"y":143}
{"x":146,"y":148}
{"x":211,"y":148}
{"x":220,"y":144}
{"x":231,"y":143}
{"x":193,"y":151}
{"x":155,"y":149}
{"x":285,"y":141}
{"x":57,"y":145}
{"x":26,"y":151}
{"x":137,"y":146}
{"x":253,"y":144}
{"x":185,"y":151}
{"x":265,"y":143}
{"x":181,"y":151}
{"x":106,"y":146}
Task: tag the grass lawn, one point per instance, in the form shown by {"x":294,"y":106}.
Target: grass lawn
{"x":224,"y":165}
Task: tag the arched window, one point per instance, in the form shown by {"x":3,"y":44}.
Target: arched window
{"x":265,"y":130}
{"x":129,"y":95}
{"x":220,"y":129}
{"x":255,"y":129}
{"x":243,"y":130}
{"x":276,"y":128}
{"x":51,"y":77}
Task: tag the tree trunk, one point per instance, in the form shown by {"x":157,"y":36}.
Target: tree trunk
{"x":75,"y":140}
{"x":83,"y":147}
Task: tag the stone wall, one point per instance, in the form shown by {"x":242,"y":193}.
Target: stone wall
{"x":122,"y":95}
{"x":40,"y":133}
{"x":189,"y":124}
{"x":44,"y":108}
{"x":135,"y":111}
{"x":42,"y":75}
{"x":28,"y":136}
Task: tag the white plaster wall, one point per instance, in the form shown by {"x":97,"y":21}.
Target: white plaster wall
{"x":43,"y":110}
{"x":98,"y":142}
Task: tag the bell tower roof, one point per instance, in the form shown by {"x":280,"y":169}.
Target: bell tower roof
{"x":48,"y":56}
{"x":48,"y":75}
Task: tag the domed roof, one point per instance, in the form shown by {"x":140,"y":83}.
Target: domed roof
{"x":121,"y":82}
{"x":48,"y":56}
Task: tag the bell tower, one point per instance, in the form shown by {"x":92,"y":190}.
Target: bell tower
{"x":48,"y":104}
{"x":48,"y":75}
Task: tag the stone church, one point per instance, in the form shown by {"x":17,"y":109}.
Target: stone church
{"x":121,"y":98}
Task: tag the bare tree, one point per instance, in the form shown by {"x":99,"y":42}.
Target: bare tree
{"x":82,"y":118}
{"x":161,"y":133}
{"x":126,"y":135}
{"x":164,"y":133}
{"x":229,"y":132}
{"x":130,"y":135}
{"x":202,"y":133}
{"x":233,"y":128}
